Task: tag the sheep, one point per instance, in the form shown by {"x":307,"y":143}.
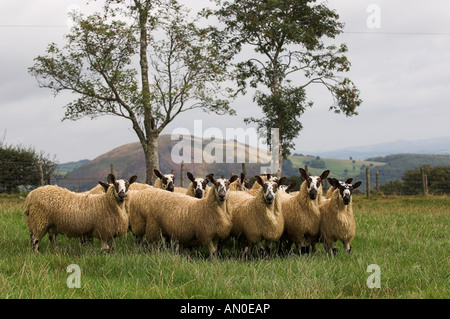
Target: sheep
{"x":337,"y":220}
{"x":287,"y":188}
{"x":256,"y":218}
{"x":241,"y":184}
{"x":256,"y":186}
{"x":301,"y":213}
{"x":165,"y":181}
{"x":332,"y":188}
{"x":188,"y":220}
{"x":56,"y":210}
{"x":198,"y":186}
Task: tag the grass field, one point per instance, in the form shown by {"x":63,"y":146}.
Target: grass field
{"x":407,"y":237}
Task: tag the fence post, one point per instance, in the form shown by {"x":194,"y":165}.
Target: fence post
{"x":377,"y":182}
{"x":424,"y":182}
{"x":367,"y":182}
{"x":182,"y":175}
{"x":243,"y":169}
{"x":41,"y":174}
{"x":306,"y":169}
{"x":111,"y":168}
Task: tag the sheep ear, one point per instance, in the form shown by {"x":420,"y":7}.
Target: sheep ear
{"x":242,"y":178}
{"x":233,"y":178}
{"x":356,"y":185}
{"x":349,"y":180}
{"x":335,"y":183}
{"x":105,"y":185}
{"x":157,"y":173}
{"x":330,"y":181}
{"x":210,"y":178}
{"x":324,"y":174}
{"x":259,"y":180}
{"x":292,"y":185}
{"x":132,"y":179}
{"x":111,"y":179}
{"x":303,"y":174}
{"x":190,"y":176}
{"x":281,"y":181}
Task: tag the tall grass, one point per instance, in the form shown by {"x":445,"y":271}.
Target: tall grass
{"x":407,"y":237}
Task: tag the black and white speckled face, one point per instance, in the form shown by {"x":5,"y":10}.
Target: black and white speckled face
{"x":270,"y":187}
{"x":346,"y":190}
{"x":199,"y":185}
{"x":167,"y":180}
{"x":221,"y":185}
{"x":313,"y":182}
{"x":120,"y":186}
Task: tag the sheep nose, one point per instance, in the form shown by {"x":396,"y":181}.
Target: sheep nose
{"x":122,"y":196}
{"x":346,"y":200}
{"x":170,"y":187}
{"x":313,"y":194}
{"x":198,"y":193}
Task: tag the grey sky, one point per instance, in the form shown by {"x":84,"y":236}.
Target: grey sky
{"x":402,"y":70}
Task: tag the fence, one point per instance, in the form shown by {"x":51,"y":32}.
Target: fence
{"x":371,"y":182}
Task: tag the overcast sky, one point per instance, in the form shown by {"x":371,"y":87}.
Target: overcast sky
{"x":402,"y":70}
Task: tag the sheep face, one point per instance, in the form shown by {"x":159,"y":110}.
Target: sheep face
{"x":313,"y":182}
{"x":199,"y":185}
{"x":166,"y":179}
{"x":270,"y":188}
{"x":346,"y":189}
{"x":120,"y":186}
{"x":221,"y":185}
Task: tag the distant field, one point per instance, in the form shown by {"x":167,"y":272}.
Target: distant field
{"x":407,"y":237}
{"x":337,"y":167}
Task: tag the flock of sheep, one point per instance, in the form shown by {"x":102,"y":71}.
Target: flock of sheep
{"x":252,"y":215}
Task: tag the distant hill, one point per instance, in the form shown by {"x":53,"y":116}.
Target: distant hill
{"x":395,"y":165}
{"x":70,"y":166}
{"x":433,"y":146}
{"x":129,"y":160}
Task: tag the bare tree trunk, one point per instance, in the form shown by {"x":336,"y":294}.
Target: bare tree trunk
{"x":151,"y":157}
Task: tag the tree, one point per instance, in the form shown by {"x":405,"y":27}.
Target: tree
{"x":19,"y":166}
{"x":288,"y":39}
{"x":180,"y":68}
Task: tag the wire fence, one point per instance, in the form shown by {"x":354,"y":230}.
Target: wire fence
{"x":424,"y":181}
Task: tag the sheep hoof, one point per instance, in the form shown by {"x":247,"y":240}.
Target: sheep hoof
{"x":334,"y":251}
{"x":349,"y":250}
{"x":304,"y":250}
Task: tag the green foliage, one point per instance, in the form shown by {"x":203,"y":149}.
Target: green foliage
{"x":288,"y":38}
{"x":19,"y":167}
{"x":437,"y":179}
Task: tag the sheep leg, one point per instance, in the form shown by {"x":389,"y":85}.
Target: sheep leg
{"x":107,"y":245}
{"x":52,"y":237}
{"x":35,"y":240}
{"x":348,"y":247}
{"x":212,"y":247}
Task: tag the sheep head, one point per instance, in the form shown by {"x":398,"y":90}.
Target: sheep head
{"x":270,"y":187}
{"x":345,"y":189}
{"x":199,"y":185}
{"x":166,"y":179}
{"x":221,"y":185}
{"x":313,"y":182}
{"x":120,"y":186}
